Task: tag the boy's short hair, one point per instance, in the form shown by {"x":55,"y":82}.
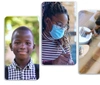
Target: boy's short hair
{"x":98,"y":21}
{"x":22,"y":28}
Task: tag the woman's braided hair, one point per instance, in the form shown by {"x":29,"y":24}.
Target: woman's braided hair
{"x":50,"y":9}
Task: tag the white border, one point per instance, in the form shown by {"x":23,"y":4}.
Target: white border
{"x":49,"y":75}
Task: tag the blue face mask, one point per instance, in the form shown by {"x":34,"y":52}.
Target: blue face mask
{"x":57,"y":32}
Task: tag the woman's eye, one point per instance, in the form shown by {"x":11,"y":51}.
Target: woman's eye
{"x":59,"y":24}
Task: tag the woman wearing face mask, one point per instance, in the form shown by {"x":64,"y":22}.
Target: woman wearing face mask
{"x":55,"y":44}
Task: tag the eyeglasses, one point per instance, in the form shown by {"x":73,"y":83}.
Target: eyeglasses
{"x":61,"y":24}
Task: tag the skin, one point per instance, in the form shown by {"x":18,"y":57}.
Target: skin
{"x":96,"y":15}
{"x":92,"y":31}
{"x":97,"y":26}
{"x":62,"y":18}
{"x":22,"y":46}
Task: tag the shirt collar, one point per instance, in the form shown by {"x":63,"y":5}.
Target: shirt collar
{"x":28,"y":66}
{"x":44,"y":34}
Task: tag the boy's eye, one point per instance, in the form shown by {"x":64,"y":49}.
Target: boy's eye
{"x":28,"y":43}
{"x":17,"y":42}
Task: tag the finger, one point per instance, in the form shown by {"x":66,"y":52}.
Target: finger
{"x":71,"y":62}
{"x":63,"y":58}
{"x":62,"y":62}
{"x":67,"y":55}
{"x":59,"y":61}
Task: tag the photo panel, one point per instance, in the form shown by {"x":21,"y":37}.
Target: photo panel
{"x":58,"y":33}
{"x":89,"y":41}
{"x":21,"y":47}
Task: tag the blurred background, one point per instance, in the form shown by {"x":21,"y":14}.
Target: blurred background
{"x":71,"y":9}
{"x":10,"y":24}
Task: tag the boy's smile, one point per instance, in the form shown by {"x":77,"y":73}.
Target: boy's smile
{"x":22,"y":44}
{"x":22,"y":52}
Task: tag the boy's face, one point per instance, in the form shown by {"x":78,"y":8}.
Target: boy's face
{"x":22,"y":44}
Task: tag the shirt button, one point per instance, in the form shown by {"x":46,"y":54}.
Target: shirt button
{"x":22,"y":75}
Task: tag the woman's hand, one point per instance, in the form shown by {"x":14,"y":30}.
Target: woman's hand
{"x":87,"y":32}
{"x":63,"y":59}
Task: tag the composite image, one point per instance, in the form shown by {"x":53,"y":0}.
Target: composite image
{"x":58,"y":41}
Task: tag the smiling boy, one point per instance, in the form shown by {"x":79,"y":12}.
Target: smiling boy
{"x":22,"y":45}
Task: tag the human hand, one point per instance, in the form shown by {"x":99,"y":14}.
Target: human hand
{"x":70,"y":62}
{"x":87,"y":32}
{"x":63,"y":59}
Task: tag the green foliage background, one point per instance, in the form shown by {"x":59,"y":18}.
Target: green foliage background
{"x":13,"y":22}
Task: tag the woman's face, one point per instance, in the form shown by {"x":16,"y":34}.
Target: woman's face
{"x":59,"y":19}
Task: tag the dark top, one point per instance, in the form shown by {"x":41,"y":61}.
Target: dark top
{"x":98,"y":31}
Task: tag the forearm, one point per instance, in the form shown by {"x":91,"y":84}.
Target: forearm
{"x":94,"y":32}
